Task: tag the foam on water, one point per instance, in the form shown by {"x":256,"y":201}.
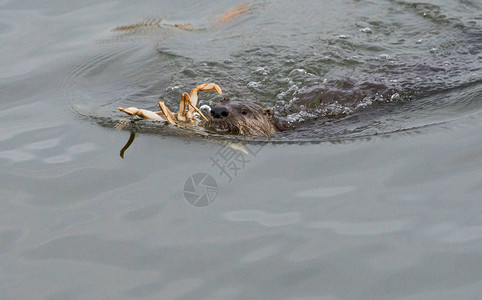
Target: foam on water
{"x":313,"y":76}
{"x":374,"y":192}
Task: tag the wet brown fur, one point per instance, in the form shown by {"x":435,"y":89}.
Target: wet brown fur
{"x":244,"y":118}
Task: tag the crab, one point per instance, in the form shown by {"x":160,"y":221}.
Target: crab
{"x":187,"y":107}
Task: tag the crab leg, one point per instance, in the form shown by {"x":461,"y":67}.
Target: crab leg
{"x":183,"y":107}
{"x":186,"y":103}
{"x":198,"y":111}
{"x":167,"y":113}
{"x":205,"y":87}
{"x":144,"y":113}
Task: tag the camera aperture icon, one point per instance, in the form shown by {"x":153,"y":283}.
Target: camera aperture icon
{"x":200,"y":190}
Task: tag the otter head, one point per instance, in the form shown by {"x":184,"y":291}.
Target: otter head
{"x":243,"y":118}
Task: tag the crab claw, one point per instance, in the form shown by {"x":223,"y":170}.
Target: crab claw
{"x":205,"y":87}
{"x":217,"y":88}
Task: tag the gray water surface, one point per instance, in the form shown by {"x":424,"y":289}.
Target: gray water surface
{"x":374,"y":193}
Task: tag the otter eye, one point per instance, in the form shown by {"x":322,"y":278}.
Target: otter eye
{"x":244,"y":111}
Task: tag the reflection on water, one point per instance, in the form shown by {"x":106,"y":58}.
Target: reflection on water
{"x":263,"y":218}
{"x":127,"y":145}
{"x":357,"y":78}
{"x":374,"y":192}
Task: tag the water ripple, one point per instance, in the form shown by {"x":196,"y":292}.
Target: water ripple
{"x":454,"y":233}
{"x":325,"y":192}
{"x":358,"y":229}
{"x":263,"y":218}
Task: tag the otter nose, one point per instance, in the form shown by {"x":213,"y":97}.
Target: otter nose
{"x":219,"y":112}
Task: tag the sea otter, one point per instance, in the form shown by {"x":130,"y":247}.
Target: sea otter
{"x":226,"y":117}
{"x":241,"y":118}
